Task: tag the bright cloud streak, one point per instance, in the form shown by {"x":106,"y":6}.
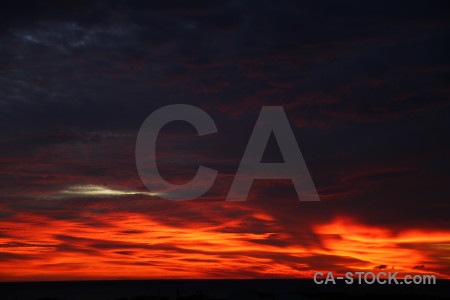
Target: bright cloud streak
{"x":97,"y":190}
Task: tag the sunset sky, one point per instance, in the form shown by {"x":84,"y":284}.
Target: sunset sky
{"x":364,"y":86}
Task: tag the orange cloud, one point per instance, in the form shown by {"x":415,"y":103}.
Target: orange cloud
{"x":125,"y":245}
{"x":401,"y":251}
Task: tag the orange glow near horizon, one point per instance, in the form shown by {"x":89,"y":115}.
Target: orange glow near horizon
{"x":133,"y":246}
{"x":397,"y":252}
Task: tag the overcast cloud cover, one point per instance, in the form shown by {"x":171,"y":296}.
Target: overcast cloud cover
{"x":364,"y":85}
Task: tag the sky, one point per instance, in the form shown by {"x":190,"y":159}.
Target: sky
{"x":364,"y":86}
